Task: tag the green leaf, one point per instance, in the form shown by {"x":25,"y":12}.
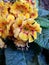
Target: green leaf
{"x":18,"y":57}
{"x":43,"y":22}
{"x":42,"y":12}
{"x":47,"y":17}
{"x":43,"y":39}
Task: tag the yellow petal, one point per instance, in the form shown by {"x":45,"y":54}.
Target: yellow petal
{"x":10,"y":17}
{"x":30,"y":38}
{"x":19,"y":20}
{"x":2,"y":19}
{"x":4,"y":34}
{"x":27,"y":15}
{"x":23,"y":36}
{"x":16,"y":32}
{"x":20,"y":15}
{"x":37,"y":27}
{"x":0,"y":34}
{"x":23,"y":1}
{"x":19,"y":6}
{"x":1,"y":3}
{"x":29,"y":21}
{"x":34,"y":15}
{"x":39,"y":30}
{"x":35,"y":35}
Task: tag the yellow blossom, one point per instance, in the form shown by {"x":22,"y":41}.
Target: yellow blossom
{"x":17,"y":20}
{"x":23,"y":36}
{"x":30,"y":38}
{"x":10,"y":17}
{"x":34,"y":14}
{"x":3,"y":28}
{"x":21,"y":7}
{"x":3,"y":9}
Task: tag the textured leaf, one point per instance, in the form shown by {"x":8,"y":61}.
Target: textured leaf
{"x":18,"y":57}
{"x":41,"y":59}
{"x":44,"y":4}
{"x":43,"y":22}
{"x":25,"y":57}
{"x":43,"y":39}
{"x":42,"y":12}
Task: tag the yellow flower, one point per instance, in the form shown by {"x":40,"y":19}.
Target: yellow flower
{"x":16,"y":32}
{"x":8,"y":4}
{"x":22,"y":0}
{"x":3,"y":28}
{"x":3,"y":9}
{"x":1,"y":3}
{"x":23,"y":36}
{"x":19,"y":6}
{"x":32,"y":25}
{"x":30,"y":38}
{"x":35,"y":35}
{"x":2,"y":20}
{"x":26,"y":29}
{"x":19,"y":21}
{"x":34,"y":14}
{"x":27,"y":15}
{"x":10,"y":17}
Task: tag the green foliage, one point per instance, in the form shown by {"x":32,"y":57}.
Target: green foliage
{"x":43,"y":22}
{"x":43,"y":39}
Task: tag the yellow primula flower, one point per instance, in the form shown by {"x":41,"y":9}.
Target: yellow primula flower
{"x":34,"y":14}
{"x":3,"y":27}
{"x":35,"y":35}
{"x":22,"y":0}
{"x":4,"y":12}
{"x":21,"y":7}
{"x":32,"y":25}
{"x":3,"y":9}
{"x":1,"y":3}
{"x":8,"y":4}
{"x":10,"y":17}
{"x":37,"y":27}
{"x":23,"y":36}
{"x":16,"y":32}
{"x":26,"y":29}
{"x":2,"y":20}
{"x":30,"y":38}
{"x":19,"y":20}
{"x":29,"y":21}
{"x":27,"y":15}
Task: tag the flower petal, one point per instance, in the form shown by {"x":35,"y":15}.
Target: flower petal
{"x":23,"y":36}
{"x":30,"y":38}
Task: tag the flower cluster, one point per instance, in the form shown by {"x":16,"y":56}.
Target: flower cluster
{"x":17,"y":21}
